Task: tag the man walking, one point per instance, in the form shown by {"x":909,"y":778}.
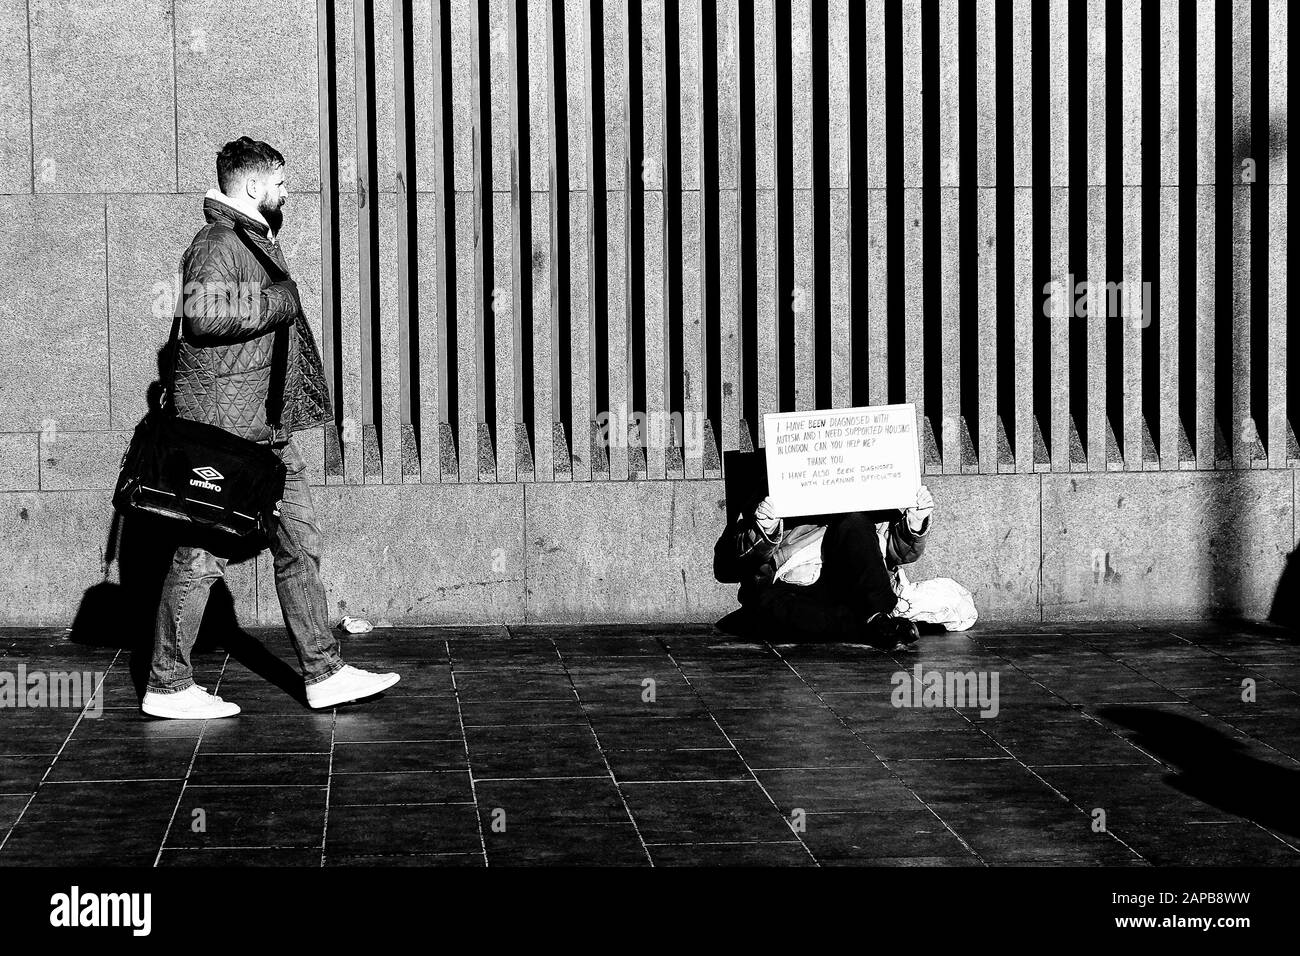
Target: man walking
{"x":232,"y":310}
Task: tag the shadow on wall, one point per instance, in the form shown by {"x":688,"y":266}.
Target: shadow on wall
{"x":121,"y":614}
{"x":1286,"y":602}
{"x":1215,"y":769}
{"x":1241,"y":442}
{"x":1227,"y":540}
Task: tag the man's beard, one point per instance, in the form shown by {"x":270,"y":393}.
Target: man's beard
{"x":274,"y":216}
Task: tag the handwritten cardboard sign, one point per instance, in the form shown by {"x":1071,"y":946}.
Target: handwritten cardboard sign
{"x":844,"y":459}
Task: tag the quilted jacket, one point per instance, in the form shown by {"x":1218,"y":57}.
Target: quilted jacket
{"x":231,"y":311}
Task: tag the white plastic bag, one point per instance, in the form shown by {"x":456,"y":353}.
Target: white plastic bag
{"x":937,"y":601}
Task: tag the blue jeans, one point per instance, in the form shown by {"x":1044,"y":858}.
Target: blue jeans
{"x":194,"y":569}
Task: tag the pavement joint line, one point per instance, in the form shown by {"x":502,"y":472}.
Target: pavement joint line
{"x":618,"y":787}
{"x":749,"y":769}
{"x":193,"y":757}
{"x":68,"y":739}
{"x":469,"y":765}
{"x":883,"y":761}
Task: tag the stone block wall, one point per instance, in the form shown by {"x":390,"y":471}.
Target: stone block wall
{"x":522,"y":227}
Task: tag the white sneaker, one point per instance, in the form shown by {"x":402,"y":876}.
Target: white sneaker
{"x":349,"y":683}
{"x":192,"y":703}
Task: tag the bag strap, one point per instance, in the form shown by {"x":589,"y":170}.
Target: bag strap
{"x":273,"y":268}
{"x":173,"y":347}
{"x":279,"y":346}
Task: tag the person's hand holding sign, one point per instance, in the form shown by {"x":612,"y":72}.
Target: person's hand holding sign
{"x":765,"y":517}
{"x":917,"y":514}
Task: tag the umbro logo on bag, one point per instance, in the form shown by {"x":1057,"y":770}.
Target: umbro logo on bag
{"x":207,"y":475}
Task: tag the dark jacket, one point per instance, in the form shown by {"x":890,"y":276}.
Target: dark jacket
{"x":232,"y":309}
{"x":745,"y":555}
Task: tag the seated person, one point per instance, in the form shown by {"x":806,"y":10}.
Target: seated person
{"x":824,"y":577}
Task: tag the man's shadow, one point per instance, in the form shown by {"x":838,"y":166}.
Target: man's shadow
{"x":1214,"y":769}
{"x":121,"y":614}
